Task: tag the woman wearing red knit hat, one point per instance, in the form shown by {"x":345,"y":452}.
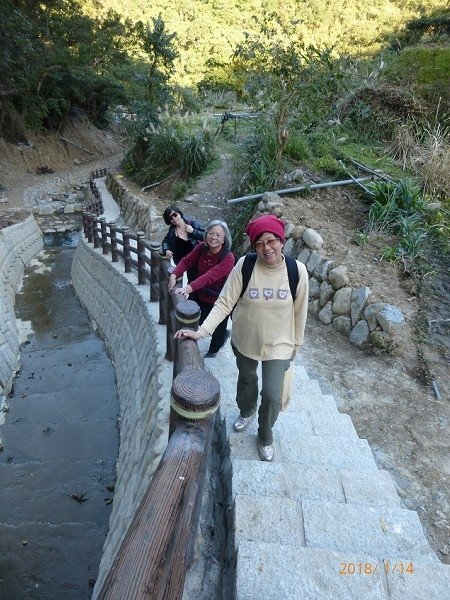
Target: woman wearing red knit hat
{"x":268,"y":326}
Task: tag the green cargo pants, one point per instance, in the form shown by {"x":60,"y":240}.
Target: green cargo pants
{"x":247,"y":392}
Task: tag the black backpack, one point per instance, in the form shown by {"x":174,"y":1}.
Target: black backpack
{"x":291,"y":266}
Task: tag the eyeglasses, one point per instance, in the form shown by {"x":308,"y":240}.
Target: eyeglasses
{"x":173,"y":215}
{"x":217,"y":236}
{"x":271,"y":242}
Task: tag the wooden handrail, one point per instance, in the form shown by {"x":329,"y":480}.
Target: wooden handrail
{"x":157,"y":549}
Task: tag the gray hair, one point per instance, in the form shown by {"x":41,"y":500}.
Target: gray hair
{"x":226,"y":231}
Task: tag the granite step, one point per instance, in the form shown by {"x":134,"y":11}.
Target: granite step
{"x":379,"y":532}
{"x":337,"y":452}
{"x":301,"y":482}
{"x":290,"y":573}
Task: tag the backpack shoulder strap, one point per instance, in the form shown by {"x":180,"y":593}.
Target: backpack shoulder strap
{"x":247,"y":269}
{"x":292,"y":269}
{"x":291,"y":266}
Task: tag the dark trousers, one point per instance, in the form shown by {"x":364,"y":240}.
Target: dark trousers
{"x":272,"y":386}
{"x":219,"y":336}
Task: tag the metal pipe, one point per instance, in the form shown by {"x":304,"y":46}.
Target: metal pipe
{"x":314,"y":186}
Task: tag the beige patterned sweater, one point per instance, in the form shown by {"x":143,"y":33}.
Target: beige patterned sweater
{"x":267,"y":324}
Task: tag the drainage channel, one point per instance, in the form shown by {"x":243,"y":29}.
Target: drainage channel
{"x":60,"y":440}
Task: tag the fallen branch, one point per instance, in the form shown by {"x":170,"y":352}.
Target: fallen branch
{"x":314,"y":186}
{"x":366,"y":189}
{"x":76,"y":145}
{"x":365,"y":168}
{"x":147,"y":187}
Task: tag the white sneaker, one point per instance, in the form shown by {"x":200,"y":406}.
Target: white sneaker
{"x":242,"y":423}
{"x":265,"y":452}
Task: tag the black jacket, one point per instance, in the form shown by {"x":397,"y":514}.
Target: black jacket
{"x":196,"y":236}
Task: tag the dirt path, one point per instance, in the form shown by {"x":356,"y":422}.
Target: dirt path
{"x":400,"y":416}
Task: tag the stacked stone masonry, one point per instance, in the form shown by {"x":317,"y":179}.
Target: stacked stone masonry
{"x":18,"y":244}
{"x":332,"y":299}
{"x":122,"y":313}
{"x":136,"y":213}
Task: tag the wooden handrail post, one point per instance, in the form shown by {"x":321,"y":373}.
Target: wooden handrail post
{"x":154,"y":271}
{"x":141,"y":257}
{"x":95,"y":221}
{"x":186,"y":316}
{"x":113,"y":234}
{"x":126,"y":249}
{"x":164,"y":266}
{"x":85,"y":224}
{"x":156,"y":552}
{"x":104,"y":235}
{"x":90,"y":218}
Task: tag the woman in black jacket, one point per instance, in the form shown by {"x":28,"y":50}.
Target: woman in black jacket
{"x":183,"y":235}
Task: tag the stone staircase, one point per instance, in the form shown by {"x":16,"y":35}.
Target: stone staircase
{"x":321,"y":521}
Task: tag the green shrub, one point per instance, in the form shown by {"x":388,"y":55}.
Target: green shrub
{"x":256,"y":160}
{"x":179,"y":189}
{"x":177,"y":145}
{"x":298,"y":148}
{"x":400,"y":209}
{"x":330,"y":165}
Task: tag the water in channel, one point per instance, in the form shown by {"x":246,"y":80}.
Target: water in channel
{"x":60,"y":439}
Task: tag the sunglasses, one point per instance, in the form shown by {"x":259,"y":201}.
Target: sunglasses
{"x":173,"y":215}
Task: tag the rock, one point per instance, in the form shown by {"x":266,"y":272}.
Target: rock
{"x":289,"y":247}
{"x":313,"y":289}
{"x":325,"y":293}
{"x":390,"y":317}
{"x":297,"y":232}
{"x":288,"y":229}
{"x":304,"y":255}
{"x":341,"y":301}
{"x":261,"y":206}
{"x":313,"y":307}
{"x":370,"y":314}
{"x":360,"y":333}
{"x":277,"y":211}
{"x":297,"y":176}
{"x":342,"y":324}
{"x":326,"y":315}
{"x":322,"y":270}
{"x":358,"y":302}
{"x":376,"y":338}
{"x":271,"y":197}
{"x":338,"y":277}
{"x":315,"y":258}
{"x":312,"y":239}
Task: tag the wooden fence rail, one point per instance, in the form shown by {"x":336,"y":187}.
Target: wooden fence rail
{"x":157,"y":549}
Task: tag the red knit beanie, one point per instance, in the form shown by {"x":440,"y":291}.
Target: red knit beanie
{"x":266,"y":223}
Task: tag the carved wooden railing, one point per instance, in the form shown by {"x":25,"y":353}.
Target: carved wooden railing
{"x":157,"y":549}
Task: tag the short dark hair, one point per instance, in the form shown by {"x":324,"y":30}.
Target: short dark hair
{"x":170,"y":210}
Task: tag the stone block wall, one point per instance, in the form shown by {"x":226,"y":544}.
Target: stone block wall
{"x":121,"y":311}
{"x":137,"y":214}
{"x":18,"y":244}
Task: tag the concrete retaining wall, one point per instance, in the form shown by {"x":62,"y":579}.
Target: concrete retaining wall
{"x":18,"y":244}
{"x":122,"y":313}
